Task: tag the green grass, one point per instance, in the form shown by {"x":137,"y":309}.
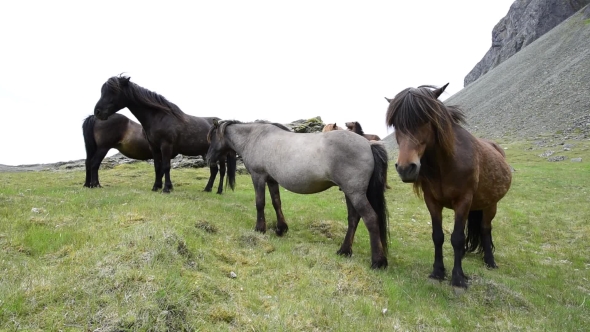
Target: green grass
{"x":123,"y":258}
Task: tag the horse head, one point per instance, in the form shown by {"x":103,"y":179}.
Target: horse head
{"x":421,"y":122}
{"x":112,"y":97}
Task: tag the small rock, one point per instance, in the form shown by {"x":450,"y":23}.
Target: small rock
{"x":233,"y":275}
{"x":576,"y":160}
{"x":384,"y":311}
{"x":35,"y":210}
{"x":546,"y":154}
{"x":556,"y":158}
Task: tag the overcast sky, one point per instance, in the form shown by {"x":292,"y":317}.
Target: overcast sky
{"x":243,"y":60}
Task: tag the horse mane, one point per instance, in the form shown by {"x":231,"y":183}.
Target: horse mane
{"x":415,"y":107}
{"x":358,"y":129}
{"x":274,"y":124}
{"x":143,"y":96}
{"x":222,"y":125}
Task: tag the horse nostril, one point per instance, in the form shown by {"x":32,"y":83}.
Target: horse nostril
{"x":396,"y":165}
{"x":413,"y":167}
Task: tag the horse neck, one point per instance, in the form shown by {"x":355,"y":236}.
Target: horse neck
{"x":438,"y":161}
{"x":238,"y":136}
{"x":145,"y":115}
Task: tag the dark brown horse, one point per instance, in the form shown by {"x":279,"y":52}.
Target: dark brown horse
{"x":168,"y":130}
{"x":453,"y":169}
{"x":121,"y":133}
{"x":356,"y":128}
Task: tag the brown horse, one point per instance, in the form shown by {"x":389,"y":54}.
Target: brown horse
{"x":330,"y":127}
{"x":453,"y":169}
{"x":356,"y":127}
{"x":121,"y":133}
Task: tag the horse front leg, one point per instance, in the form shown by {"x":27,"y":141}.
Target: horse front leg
{"x":221,"y":175}
{"x":461,"y":208}
{"x":259,"y":188}
{"x":438,"y":237}
{"x":365,"y":210}
{"x":157,"y":168}
{"x":166,"y":156}
{"x":213,"y":170}
{"x":353,"y":221}
{"x":275,"y":195}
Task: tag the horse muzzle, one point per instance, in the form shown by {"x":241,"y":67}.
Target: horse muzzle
{"x":101,"y":114}
{"x":408,"y":173}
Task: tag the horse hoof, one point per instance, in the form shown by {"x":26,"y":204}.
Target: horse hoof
{"x":344,"y":252}
{"x":490,"y":264}
{"x":166,"y":191}
{"x":379,"y":264}
{"x":437,"y":276}
{"x":208,"y":190}
{"x":459,"y":290}
{"x":261,"y":230}
{"x":459,"y":282}
{"x":281,"y":231}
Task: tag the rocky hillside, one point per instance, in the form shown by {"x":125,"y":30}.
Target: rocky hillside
{"x":543,"y":89}
{"x":526,"y":21}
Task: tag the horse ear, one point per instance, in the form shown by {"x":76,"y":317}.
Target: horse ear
{"x":440,"y":90}
{"x":215,"y":123}
{"x":125,"y":81}
{"x":388,"y":100}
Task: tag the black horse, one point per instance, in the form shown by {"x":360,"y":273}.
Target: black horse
{"x":168,"y":130}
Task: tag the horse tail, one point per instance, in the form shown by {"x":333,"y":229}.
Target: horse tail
{"x":474,"y":227}
{"x":88,"y":132}
{"x":376,"y":191}
{"x":231,"y":170}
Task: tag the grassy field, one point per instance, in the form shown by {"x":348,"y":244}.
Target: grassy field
{"x":123,"y":258}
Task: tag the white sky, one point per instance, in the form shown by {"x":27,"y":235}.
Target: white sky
{"x":243,"y":60}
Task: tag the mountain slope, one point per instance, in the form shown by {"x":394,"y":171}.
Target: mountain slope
{"x":543,"y":89}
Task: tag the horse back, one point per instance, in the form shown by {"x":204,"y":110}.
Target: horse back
{"x":312,"y":162}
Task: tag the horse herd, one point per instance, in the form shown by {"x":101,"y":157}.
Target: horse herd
{"x":448,"y":166}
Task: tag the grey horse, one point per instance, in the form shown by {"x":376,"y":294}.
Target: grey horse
{"x":308,"y":164}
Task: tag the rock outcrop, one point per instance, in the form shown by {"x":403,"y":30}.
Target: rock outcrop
{"x":526,"y":21}
{"x":313,"y":125}
{"x":543,"y":89}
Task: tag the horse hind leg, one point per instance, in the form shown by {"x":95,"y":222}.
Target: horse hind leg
{"x":365,"y":210}
{"x":486,"y":237}
{"x":273,"y":188}
{"x":353,"y":221}
{"x":94,"y":164}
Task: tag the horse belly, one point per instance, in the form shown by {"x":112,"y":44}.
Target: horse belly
{"x":495,"y":178}
{"x":302,"y":186}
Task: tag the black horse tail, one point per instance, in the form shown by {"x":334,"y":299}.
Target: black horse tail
{"x":88,"y":132}
{"x":231,"y":170}
{"x":474,"y":228}
{"x":376,"y":191}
